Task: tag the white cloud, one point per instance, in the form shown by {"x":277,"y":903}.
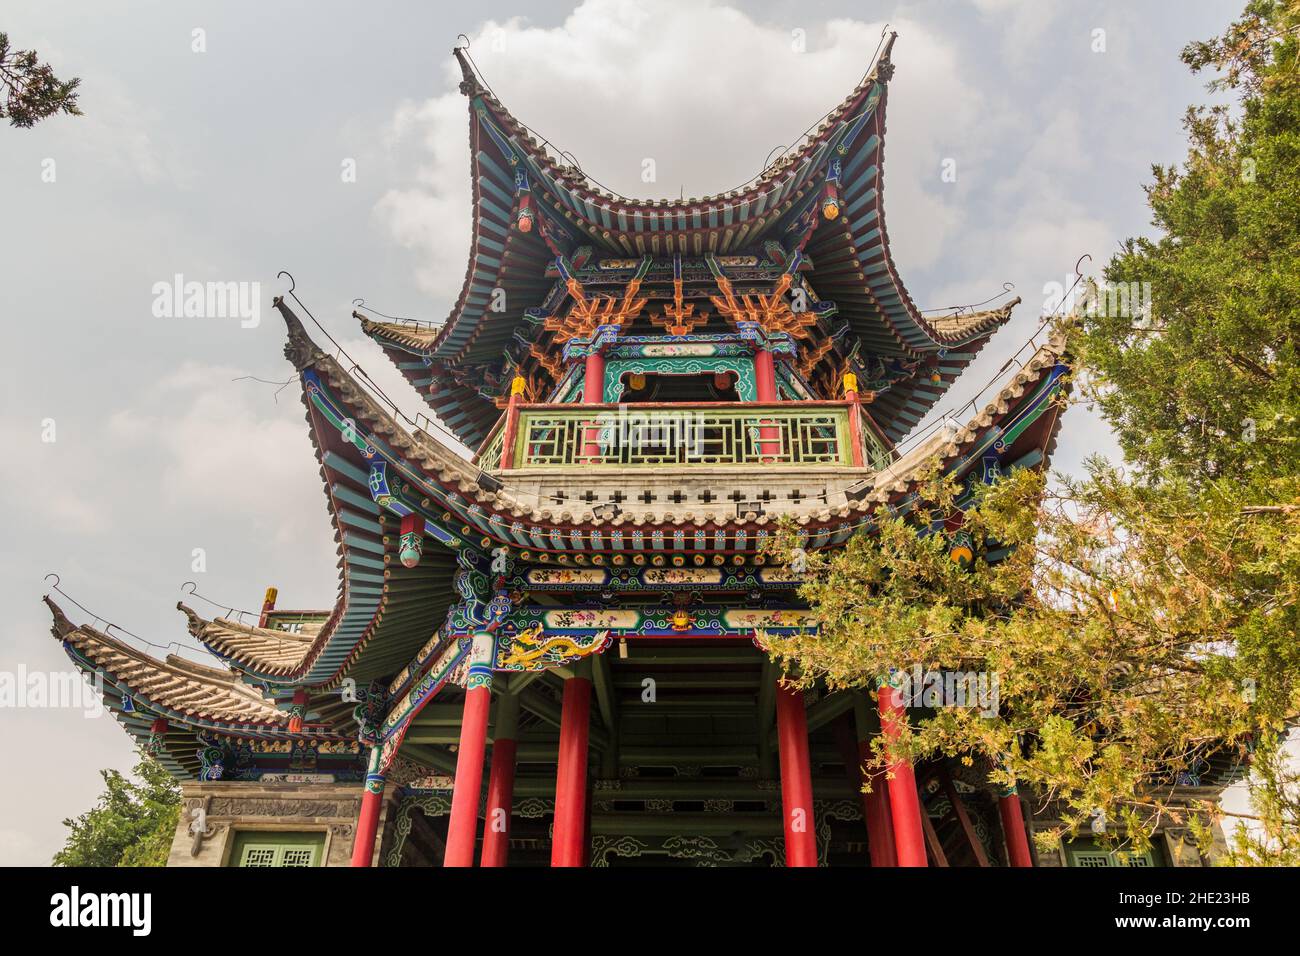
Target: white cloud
{"x":705,"y":91}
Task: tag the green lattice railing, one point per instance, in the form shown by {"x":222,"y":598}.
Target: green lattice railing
{"x":489,"y":459}
{"x":631,"y":436}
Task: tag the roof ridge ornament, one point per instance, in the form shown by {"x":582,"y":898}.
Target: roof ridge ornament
{"x":469,"y":85}
{"x":299,"y":349}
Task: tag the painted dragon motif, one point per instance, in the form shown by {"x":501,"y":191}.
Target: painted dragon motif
{"x":532,"y":645}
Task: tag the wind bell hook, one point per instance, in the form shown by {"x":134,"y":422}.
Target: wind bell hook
{"x":193,"y":588}
{"x":293,"y":283}
{"x":1077,"y":274}
{"x":358,"y":303}
{"x":57,"y":580}
{"x":459,"y":37}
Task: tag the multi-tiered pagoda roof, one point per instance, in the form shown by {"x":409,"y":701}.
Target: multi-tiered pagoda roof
{"x":651,"y":387}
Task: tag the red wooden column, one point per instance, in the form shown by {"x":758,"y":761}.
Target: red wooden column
{"x":905,"y":805}
{"x":769,"y":438}
{"x":501,"y":782}
{"x":568,"y":842}
{"x":880,"y":824}
{"x":462,"y":826}
{"x":875,"y":805}
{"x":1013,"y":830}
{"x":796,"y":777}
{"x":372,"y":798}
{"x":593,"y":393}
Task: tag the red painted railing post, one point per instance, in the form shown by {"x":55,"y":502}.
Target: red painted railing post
{"x":855,"y":418}
{"x":268,"y":605}
{"x":511,"y":427}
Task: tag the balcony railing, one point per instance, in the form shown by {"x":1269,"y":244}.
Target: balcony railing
{"x":647,"y":436}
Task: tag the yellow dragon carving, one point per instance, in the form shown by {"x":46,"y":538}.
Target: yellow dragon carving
{"x":532,"y":645}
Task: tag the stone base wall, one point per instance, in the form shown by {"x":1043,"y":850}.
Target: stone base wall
{"x":227,"y":808}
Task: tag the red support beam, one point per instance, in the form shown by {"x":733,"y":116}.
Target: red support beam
{"x":1013,"y":830}
{"x":501,"y":782}
{"x":372,"y":798}
{"x":769,"y":437}
{"x":879,"y":816}
{"x":764,"y":376}
{"x":905,"y":804}
{"x":796,"y":777}
{"x":501,"y":788}
{"x":593,"y":393}
{"x":568,"y":842}
{"x":463,"y":823}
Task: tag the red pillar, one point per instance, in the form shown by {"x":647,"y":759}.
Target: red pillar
{"x":501,"y":788}
{"x":876,"y":809}
{"x":593,"y":393}
{"x":1013,"y":830}
{"x":796,"y":777}
{"x":905,"y":805}
{"x":764,"y":376}
{"x":501,"y":783}
{"x":567,"y":846}
{"x":769,"y":438}
{"x":363,"y":844}
{"x":463,"y":823}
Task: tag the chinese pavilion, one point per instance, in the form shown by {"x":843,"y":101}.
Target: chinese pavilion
{"x":581,"y":607}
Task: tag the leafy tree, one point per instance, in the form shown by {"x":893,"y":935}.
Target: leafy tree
{"x":1207,"y":385}
{"x":32,"y":91}
{"x":132,"y":824}
{"x":1142,"y":624}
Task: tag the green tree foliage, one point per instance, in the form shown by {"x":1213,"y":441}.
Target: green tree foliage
{"x":1143,"y":627}
{"x":132,"y":824}
{"x":32,"y":91}
{"x":1207,"y":386}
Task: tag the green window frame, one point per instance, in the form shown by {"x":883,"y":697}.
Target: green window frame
{"x":1088,"y":853}
{"x":272,"y":848}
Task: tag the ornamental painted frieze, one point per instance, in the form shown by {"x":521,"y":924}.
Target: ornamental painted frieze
{"x":534,"y":649}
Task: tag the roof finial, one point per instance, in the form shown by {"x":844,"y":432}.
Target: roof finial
{"x":884,"y":66}
{"x":299,"y":349}
{"x":468,"y":82}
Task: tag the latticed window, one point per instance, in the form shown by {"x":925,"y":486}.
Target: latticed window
{"x":263,"y":849}
{"x":1087,"y":853}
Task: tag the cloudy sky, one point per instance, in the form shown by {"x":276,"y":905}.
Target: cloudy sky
{"x":219,"y":155}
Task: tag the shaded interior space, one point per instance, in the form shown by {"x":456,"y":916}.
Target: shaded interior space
{"x":684,"y":768}
{"x":649,"y":387}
